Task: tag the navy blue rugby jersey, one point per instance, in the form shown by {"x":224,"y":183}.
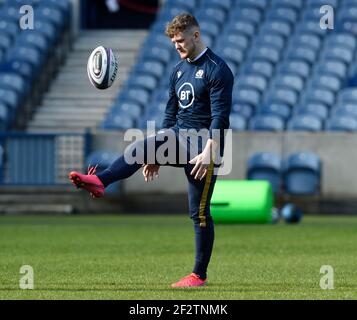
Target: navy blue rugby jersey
{"x":200,"y":94}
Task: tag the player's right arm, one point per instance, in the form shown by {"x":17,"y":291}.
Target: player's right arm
{"x":172,"y":104}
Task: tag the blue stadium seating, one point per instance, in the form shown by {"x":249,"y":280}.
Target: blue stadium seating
{"x":267,"y":123}
{"x":4,"y":117}
{"x":294,"y":4}
{"x":118,"y":122}
{"x":323,"y":81}
{"x":342,"y":123}
{"x":237,"y":122}
{"x":273,"y":40}
{"x":277,"y":109}
{"x":318,"y":110}
{"x":302,"y":173}
{"x":251,"y":15}
{"x":305,"y":122}
{"x":285,"y":65}
{"x":349,"y":109}
{"x":265,"y":166}
{"x":131,"y":109}
{"x":263,"y":68}
{"x":251,"y":81}
{"x":243,"y":109}
{"x":289,"y":81}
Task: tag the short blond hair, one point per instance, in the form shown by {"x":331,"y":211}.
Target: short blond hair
{"x":180,"y":23}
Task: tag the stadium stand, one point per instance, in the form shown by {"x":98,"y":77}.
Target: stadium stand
{"x":284,"y":64}
{"x":302,"y":173}
{"x":29,"y":58}
{"x":265,"y":166}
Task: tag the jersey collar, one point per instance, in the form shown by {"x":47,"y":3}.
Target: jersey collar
{"x":199,"y":56}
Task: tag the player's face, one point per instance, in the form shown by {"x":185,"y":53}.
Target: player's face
{"x":185,"y":44}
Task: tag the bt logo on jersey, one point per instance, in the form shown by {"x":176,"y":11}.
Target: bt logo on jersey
{"x":186,"y":95}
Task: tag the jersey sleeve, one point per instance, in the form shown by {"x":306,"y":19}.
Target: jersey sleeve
{"x":172,"y":105}
{"x":221,"y":85}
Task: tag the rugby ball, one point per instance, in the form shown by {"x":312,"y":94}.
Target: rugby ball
{"x":102,"y":67}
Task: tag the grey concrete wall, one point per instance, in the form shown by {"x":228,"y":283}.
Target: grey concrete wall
{"x":338,"y":152}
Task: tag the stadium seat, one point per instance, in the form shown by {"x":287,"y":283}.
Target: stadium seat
{"x":222,"y":4}
{"x":14,"y":82}
{"x":273,"y":40}
{"x":146,"y":82}
{"x":243,"y":109}
{"x":319,"y":3}
{"x":232,"y":40}
{"x":251,"y":81}
{"x":4,"y":118}
{"x":118,"y":122}
{"x":302,"y":174}
{"x":22,"y":68}
{"x":258,"y":4}
{"x":319,"y":95}
{"x":151,"y":67}
{"x":306,"y":40}
{"x":157,"y":39}
{"x":266,"y":123}
{"x":241,"y":27}
{"x":339,"y":54}
{"x":325,"y":82}
{"x":341,"y":40}
{"x":294,"y":4}
{"x":282,"y":14}
{"x":346,"y":110}
{"x":11,"y":99}
{"x":265,"y":166}
{"x":295,"y":67}
{"x":188,"y":5}
{"x":263,"y":68}
{"x":134,"y":110}
{"x":35,"y":40}
{"x":288,"y":81}
{"x":265,"y":53}
{"x":209,"y":27}
{"x":319,"y":110}
{"x":277,"y":27}
{"x":137,"y":95}
{"x":251,"y":15}
{"x":331,"y":67}
{"x":282,"y":95}
{"x":10,"y":28}
{"x":277,"y":109}
{"x":342,"y":123}
{"x":237,"y":122}
{"x":156,"y":53}
{"x":212,"y":13}
{"x":48,"y":30}
{"x":5,"y":41}
{"x":347,"y":95}
{"x":51,"y":15}
{"x":104,"y":159}
{"x":235,"y":55}
{"x":247,"y":96}
{"x":305,"y":122}
{"x":301,"y":53}
{"x":310,"y":27}
{"x":26,"y":54}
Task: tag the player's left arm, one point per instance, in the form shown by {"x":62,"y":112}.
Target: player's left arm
{"x":221,"y":85}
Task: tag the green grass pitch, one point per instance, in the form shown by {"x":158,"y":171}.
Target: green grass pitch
{"x":139,"y":256}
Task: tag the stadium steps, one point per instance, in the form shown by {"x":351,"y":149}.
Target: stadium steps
{"x":72,"y":104}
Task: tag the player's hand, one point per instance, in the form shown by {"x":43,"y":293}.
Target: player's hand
{"x":150,"y":171}
{"x":201,"y":162}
